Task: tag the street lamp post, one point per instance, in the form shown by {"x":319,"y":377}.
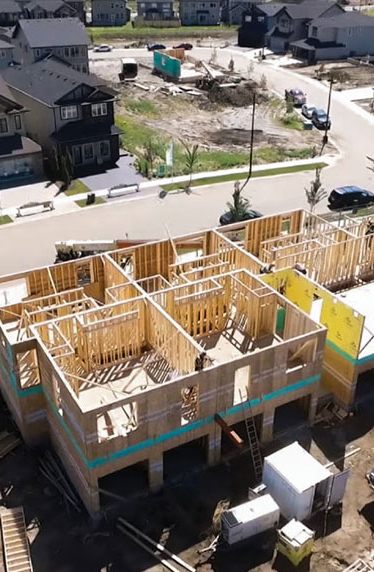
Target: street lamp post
{"x":325,"y":136}
{"x":251,"y":142}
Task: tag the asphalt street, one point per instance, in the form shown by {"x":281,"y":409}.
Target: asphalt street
{"x":31,"y":244}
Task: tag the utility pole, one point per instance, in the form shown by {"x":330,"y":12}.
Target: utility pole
{"x":325,"y":136}
{"x":251,"y":142}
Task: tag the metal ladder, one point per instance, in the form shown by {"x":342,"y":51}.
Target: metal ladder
{"x":15,"y":542}
{"x":254,"y":445}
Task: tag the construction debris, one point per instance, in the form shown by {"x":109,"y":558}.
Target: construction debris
{"x":8,"y":442}
{"x":51,"y":470}
{"x":15,"y":542}
{"x":134,"y":533}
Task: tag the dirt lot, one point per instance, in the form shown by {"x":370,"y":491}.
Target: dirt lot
{"x":181,"y":515}
{"x":347,"y":75}
{"x":218,"y":121}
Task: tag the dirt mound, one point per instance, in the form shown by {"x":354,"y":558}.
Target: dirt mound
{"x":239,"y":95}
{"x":236,"y":136}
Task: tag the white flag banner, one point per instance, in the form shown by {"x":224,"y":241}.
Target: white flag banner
{"x":169,"y":155}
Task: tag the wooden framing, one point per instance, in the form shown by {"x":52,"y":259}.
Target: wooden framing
{"x":119,"y":342}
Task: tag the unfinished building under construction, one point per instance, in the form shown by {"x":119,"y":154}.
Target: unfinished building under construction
{"x":124,"y":358}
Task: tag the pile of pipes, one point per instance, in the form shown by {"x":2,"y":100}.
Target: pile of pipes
{"x":51,"y":470}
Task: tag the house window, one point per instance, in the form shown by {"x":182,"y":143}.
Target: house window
{"x":84,"y":68}
{"x":314,"y":31}
{"x":69,"y":112}
{"x":74,"y":52}
{"x":88,"y":151}
{"x":99,"y":109}
{"x":104,"y":149}
{"x":2,"y":53}
{"x":3,"y":125}
{"x":17,"y":122}
{"x":66,"y":52}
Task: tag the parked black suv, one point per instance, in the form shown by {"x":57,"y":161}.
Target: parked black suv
{"x":320,"y":119}
{"x":349,"y":197}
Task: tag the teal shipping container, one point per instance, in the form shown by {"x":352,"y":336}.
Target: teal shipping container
{"x":167,"y":65}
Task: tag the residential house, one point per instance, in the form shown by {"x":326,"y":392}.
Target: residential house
{"x":6,"y":54}
{"x":10,"y":12}
{"x":20,"y":158}
{"x":79,"y":7}
{"x":69,"y":111}
{"x":199,"y":12}
{"x":232,"y":11}
{"x":109,"y":13}
{"x":256,"y":22}
{"x":65,"y":38}
{"x":149,"y":10}
{"x":292,"y":22}
{"x":346,"y":35}
{"x":37,"y":9}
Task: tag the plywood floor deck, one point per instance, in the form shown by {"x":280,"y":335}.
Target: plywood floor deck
{"x":124,"y":379}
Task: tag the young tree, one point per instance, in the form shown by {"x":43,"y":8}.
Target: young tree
{"x":231,"y":65}
{"x":150,"y":154}
{"x":240,"y":205}
{"x":316,"y":193}
{"x":190,"y":157}
{"x":64,"y":171}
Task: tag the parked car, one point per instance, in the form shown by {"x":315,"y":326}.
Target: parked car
{"x":307,"y":110}
{"x":183,"y":46}
{"x":103,"y":48}
{"x":320,"y":119}
{"x":154,"y":47}
{"x":228,"y":218}
{"x":297,"y":97}
{"x":349,"y":197}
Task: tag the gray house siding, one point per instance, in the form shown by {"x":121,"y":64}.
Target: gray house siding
{"x":42,"y":122}
{"x":39,"y":121}
{"x":109,"y":12}
{"x":290,"y":30}
{"x":155,"y":10}
{"x":194,"y":13}
{"x":39,"y":13}
{"x":79,"y":7}
{"x":77,"y":56}
{"x":6,"y":56}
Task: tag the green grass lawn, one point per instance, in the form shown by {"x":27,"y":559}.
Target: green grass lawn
{"x":292,"y":121}
{"x":237,"y":177}
{"x":76,"y":187}
{"x":136,"y":135}
{"x":82,"y":202}
{"x":98,"y":34}
{"x":369,"y":12}
{"x":5,"y":219}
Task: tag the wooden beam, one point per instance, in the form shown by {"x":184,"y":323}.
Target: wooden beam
{"x":238,"y":441}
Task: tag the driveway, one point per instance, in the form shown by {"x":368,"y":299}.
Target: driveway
{"x":122,"y":174}
{"x":17,"y":196}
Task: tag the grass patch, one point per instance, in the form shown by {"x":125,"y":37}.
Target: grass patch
{"x":5,"y":219}
{"x":292,"y":121}
{"x":77,"y":187}
{"x":82,"y":202}
{"x":369,"y":12}
{"x":98,"y":34}
{"x":136,"y":136}
{"x":141,"y":107}
{"x":256,"y":174}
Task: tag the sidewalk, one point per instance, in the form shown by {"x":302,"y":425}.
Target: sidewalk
{"x":64,"y":203}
